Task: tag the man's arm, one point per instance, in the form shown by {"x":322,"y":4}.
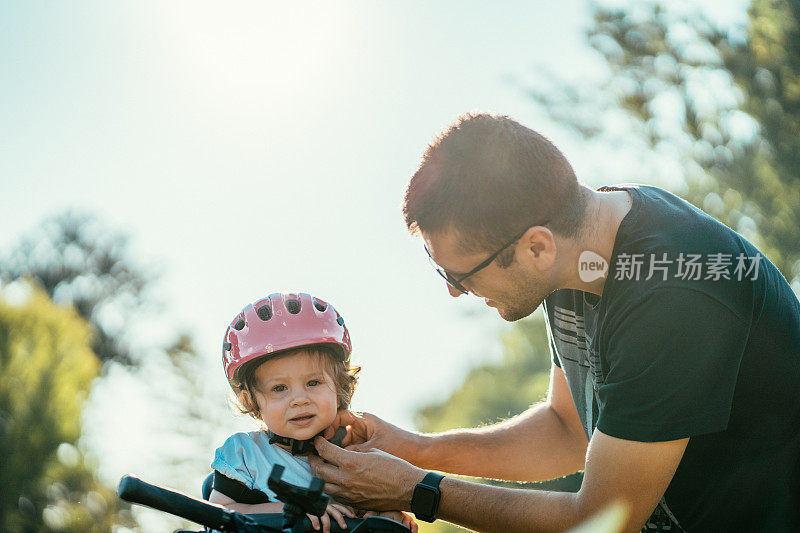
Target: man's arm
{"x":545,"y":442}
{"x":635,"y":472}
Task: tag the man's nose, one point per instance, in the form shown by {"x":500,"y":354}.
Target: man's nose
{"x":455,"y":293}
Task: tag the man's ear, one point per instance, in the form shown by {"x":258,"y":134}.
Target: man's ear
{"x":541,"y":243}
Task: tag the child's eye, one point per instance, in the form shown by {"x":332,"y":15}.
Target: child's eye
{"x":313,"y":383}
{"x":279,"y":388}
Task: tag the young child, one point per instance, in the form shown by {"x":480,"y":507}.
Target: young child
{"x":287,"y":359}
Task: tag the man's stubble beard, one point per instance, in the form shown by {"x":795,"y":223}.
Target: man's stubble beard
{"x":527,"y":298}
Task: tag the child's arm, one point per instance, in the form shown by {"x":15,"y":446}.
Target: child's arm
{"x":335,"y":511}
{"x":245,"y":508}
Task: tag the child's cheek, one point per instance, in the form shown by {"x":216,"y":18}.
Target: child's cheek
{"x":326,"y":399}
{"x":274,"y":415}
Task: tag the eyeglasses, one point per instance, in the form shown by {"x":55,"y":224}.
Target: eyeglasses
{"x":455,"y":282}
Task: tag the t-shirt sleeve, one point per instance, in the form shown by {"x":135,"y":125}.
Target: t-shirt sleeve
{"x":232,"y":458}
{"x":672,"y":365}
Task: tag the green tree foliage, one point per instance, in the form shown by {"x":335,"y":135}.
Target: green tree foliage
{"x":721,"y":105}
{"x":767,"y":69}
{"x":496,"y":391}
{"x":46,"y":369}
{"x":78,"y":261}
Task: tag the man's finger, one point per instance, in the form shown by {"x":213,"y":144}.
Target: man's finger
{"x":348,"y":438}
{"x":326,"y":471}
{"x":326,"y":523}
{"x":348,"y":418}
{"x":365,"y":447}
{"x":329,"y":451}
{"x":357,"y":428}
{"x":342,"y":419}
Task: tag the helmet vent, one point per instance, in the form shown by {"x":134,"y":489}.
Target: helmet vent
{"x":320,"y":306}
{"x":293,"y":306}
{"x":226,"y":346}
{"x":264,"y":312}
{"x":239,"y":325}
{"x":340,"y":321}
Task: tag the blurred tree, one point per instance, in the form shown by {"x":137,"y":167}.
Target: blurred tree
{"x":719,"y":106}
{"x":78,"y":261}
{"x":46,"y":369}
{"x":493,"y":392}
{"x":192,"y":413}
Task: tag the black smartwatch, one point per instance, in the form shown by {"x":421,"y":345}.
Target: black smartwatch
{"x":425,"y":500}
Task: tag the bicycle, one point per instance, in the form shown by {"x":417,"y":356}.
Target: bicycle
{"x":298,"y":501}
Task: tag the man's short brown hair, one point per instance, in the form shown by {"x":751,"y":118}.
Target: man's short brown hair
{"x":486,"y":177}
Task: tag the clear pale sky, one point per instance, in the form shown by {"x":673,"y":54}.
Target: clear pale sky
{"x":253,"y":147}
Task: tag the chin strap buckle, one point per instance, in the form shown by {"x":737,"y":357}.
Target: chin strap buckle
{"x":305,"y":447}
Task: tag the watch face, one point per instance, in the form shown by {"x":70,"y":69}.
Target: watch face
{"x":424,"y":500}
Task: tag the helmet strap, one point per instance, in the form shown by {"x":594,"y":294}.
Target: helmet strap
{"x":305,"y":446}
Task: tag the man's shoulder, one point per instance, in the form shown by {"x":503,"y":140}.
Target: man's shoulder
{"x":661,"y":221}
{"x":670,"y":245}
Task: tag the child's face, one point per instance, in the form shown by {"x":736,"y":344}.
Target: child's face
{"x":296,"y":396}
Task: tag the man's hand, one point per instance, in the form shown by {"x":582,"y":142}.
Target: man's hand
{"x":358,"y":427}
{"x":371,"y":480}
{"x":367,"y":432}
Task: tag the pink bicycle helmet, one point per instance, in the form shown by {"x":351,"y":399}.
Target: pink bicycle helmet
{"x":281,"y":322}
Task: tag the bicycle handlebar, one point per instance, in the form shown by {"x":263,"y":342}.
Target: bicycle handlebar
{"x":134,"y":490}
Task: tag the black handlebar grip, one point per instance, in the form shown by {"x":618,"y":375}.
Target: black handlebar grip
{"x":134,"y":490}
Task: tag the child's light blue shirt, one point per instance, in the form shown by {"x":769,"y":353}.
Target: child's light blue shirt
{"x":249,"y":458}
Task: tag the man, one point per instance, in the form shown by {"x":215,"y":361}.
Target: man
{"x":675,"y":383}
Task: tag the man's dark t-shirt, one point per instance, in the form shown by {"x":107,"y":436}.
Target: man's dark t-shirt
{"x":709,"y":352}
